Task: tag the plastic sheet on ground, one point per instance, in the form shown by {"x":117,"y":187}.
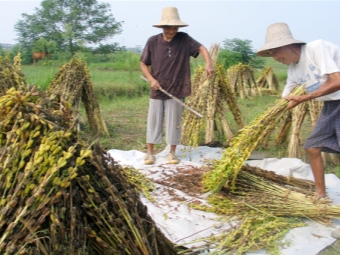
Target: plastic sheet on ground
{"x":182,"y":224}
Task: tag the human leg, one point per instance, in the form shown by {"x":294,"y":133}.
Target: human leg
{"x":154,"y":128}
{"x":317,"y":166}
{"x":173,"y":114}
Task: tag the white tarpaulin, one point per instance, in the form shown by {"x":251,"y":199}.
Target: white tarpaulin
{"x":182,"y":224}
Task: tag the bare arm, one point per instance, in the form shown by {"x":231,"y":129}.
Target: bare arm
{"x":331,"y":85}
{"x":209,"y":66}
{"x":146,"y":71}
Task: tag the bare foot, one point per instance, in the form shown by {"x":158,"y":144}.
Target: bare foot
{"x":321,"y":193}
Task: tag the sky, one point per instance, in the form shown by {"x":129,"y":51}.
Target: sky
{"x":210,"y":22}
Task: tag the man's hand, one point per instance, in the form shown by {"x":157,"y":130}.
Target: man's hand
{"x":210,"y":70}
{"x":155,"y":85}
{"x":294,"y":101}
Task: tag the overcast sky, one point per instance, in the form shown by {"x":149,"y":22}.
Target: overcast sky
{"x":209,"y":21}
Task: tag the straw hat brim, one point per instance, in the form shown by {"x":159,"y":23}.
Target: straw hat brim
{"x":264,"y":51}
{"x":171,"y":23}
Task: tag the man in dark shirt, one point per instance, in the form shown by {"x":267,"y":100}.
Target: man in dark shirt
{"x":165,"y":62}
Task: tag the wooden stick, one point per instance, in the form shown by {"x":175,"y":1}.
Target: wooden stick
{"x":176,"y":99}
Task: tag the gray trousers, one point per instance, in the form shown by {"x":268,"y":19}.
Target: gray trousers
{"x":173,"y":115}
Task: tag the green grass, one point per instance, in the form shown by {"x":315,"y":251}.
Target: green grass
{"x":126,"y":120}
{"x":39,"y":76}
{"x":112,"y":84}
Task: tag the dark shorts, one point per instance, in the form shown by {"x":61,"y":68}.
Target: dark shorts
{"x":326,"y":133}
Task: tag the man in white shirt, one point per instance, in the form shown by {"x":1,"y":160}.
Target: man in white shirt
{"x":317,"y":65}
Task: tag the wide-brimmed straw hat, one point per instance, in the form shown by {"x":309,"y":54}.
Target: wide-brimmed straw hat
{"x":277,"y":35}
{"x":170,"y":17}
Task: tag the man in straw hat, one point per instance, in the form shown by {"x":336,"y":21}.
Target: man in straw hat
{"x":165,"y":62}
{"x":317,"y":65}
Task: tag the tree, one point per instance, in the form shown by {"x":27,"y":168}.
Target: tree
{"x":42,"y":45}
{"x":70,"y":24}
{"x":236,"y":51}
{"x":107,"y":48}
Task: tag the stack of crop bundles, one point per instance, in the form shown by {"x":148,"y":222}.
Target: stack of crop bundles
{"x":60,"y":195}
{"x":210,"y":97}
{"x":10,"y":73}
{"x":242,"y":81}
{"x":267,"y":82}
{"x":73,"y":84}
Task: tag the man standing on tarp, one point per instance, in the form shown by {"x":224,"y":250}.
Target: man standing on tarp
{"x":317,"y":65}
{"x":165,"y":62}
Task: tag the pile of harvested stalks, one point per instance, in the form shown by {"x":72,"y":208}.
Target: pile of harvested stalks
{"x":60,"y":195}
{"x":73,"y":84}
{"x":262,"y":208}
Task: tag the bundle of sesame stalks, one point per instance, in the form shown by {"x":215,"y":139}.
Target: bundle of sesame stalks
{"x":298,"y":114}
{"x":242,"y":81}
{"x":73,"y":84}
{"x":268,"y":80}
{"x":60,"y":195}
{"x":227,"y":168}
{"x":211,"y":97}
{"x":10,"y":73}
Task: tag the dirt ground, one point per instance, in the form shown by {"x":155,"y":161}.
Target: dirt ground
{"x":186,"y":180}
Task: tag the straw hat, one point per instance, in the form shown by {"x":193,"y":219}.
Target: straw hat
{"x":278,"y":35}
{"x":170,"y":17}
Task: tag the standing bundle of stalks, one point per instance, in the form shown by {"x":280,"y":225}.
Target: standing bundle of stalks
{"x":73,"y":84}
{"x":210,"y":97}
{"x":242,"y":81}
{"x":10,"y":74}
{"x":212,"y":101}
{"x":191,"y":123}
{"x":314,"y":109}
{"x":298,"y":114}
{"x":60,"y":195}
{"x":226,"y":169}
{"x":268,"y":80}
{"x":229,"y":97}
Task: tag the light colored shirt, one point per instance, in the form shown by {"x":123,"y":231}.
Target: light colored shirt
{"x":318,"y":59}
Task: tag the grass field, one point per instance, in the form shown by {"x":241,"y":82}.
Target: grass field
{"x":123,"y":99}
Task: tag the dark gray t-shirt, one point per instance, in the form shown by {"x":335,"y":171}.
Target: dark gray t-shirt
{"x":170,"y":63}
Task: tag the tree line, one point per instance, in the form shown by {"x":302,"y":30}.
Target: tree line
{"x":63,"y":28}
